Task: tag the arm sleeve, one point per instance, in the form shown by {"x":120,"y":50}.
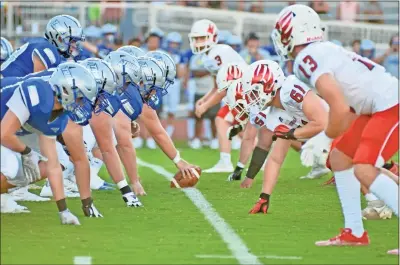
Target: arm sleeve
{"x":17,"y":106}
{"x":49,"y":56}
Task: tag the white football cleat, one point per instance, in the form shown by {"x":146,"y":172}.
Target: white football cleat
{"x":138,"y":142}
{"x":22,"y":194}
{"x":8,"y":205}
{"x":131,"y":200}
{"x":34,"y":187}
{"x":69,"y":185}
{"x":214,"y":144}
{"x":47,"y":192}
{"x":195,"y":143}
{"x":376,"y":210}
{"x":150,"y":143}
{"x":236,"y":143}
{"x":316,"y":172}
{"x":220,"y":167}
{"x":67,"y":218}
{"x":393,"y":252}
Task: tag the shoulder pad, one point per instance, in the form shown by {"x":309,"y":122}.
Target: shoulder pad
{"x":37,"y":95}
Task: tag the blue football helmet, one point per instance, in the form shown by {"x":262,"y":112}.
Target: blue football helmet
{"x":107,"y":98}
{"x":153,"y":81}
{"x":132,"y":50}
{"x":76,"y":90}
{"x":169,"y":65}
{"x":65,"y":32}
{"x":6,"y":49}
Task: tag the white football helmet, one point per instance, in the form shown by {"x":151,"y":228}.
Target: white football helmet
{"x":236,"y":102}
{"x":228,"y":73}
{"x":203,"y":28}
{"x":261,"y":82}
{"x":296,"y":25}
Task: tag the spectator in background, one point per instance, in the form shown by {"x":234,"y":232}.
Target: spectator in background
{"x":390,"y":59}
{"x":218,"y":4}
{"x":239,"y":5}
{"x":112,"y":14}
{"x":319,"y":6}
{"x":373,"y":12}
{"x":154,"y":39}
{"x":94,"y":14}
{"x":347,"y":11}
{"x":93,"y":36}
{"x":355,"y":46}
{"x":253,"y":52}
{"x":108,"y":44}
{"x":235,"y":42}
{"x":135,"y":42}
{"x":367,"y":49}
{"x":291,"y":3}
{"x":188,"y":3}
{"x":257,"y":7}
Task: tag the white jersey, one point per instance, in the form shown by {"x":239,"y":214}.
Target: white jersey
{"x":218,"y":55}
{"x":271,"y":118}
{"x":292,"y":94}
{"x":366,"y":85}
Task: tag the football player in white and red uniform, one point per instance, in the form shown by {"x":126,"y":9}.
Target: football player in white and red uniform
{"x":349,"y":83}
{"x":203,"y":39}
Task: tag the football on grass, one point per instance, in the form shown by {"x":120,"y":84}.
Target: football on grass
{"x":180,"y":182}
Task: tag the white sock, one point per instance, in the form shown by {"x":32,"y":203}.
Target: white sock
{"x":170,"y":130}
{"x":387,"y":190}
{"x":226,"y":157}
{"x":370,"y":197}
{"x":240,"y":164}
{"x":207,"y":129}
{"x":348,"y":188}
{"x":122,"y":183}
{"x":191,"y":123}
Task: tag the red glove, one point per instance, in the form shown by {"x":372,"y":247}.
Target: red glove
{"x":261,"y":206}
{"x":283,"y":132}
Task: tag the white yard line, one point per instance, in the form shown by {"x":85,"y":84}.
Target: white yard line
{"x":206,"y":256}
{"x":82,"y":260}
{"x":233,"y":241}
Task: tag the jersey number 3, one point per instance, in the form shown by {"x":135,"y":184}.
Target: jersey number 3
{"x":312,"y":66}
{"x":218,"y":59}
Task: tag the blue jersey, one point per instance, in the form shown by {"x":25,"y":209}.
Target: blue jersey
{"x":36,"y":97}
{"x":10,"y":81}
{"x":84,"y":54}
{"x":131,"y":102}
{"x":20,"y":63}
{"x":103,"y":50}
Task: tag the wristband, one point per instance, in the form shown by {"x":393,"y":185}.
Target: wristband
{"x":26,"y":151}
{"x":177,"y":158}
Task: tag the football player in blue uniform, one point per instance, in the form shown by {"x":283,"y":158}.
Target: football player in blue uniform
{"x":6,"y":50}
{"x":43,"y":107}
{"x":63,"y":33}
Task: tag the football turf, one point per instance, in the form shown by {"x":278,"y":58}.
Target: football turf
{"x":169,"y":229}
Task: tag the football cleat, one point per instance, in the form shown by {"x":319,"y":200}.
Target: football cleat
{"x":131,"y":200}
{"x":220,"y":167}
{"x":316,"y":172}
{"x":67,"y":218}
{"x":236,"y":143}
{"x":393,"y":252}
{"x":47,"y":192}
{"x":195,"y":143}
{"x":8,"y":205}
{"x":345,"y":238}
{"x":151,"y":144}
{"x":91,"y":211}
{"x":394,"y":169}
{"x":261,"y":206}
{"x":235,"y":175}
{"x":138,"y":142}
{"x":376,"y":210}
{"x":22,"y":194}
{"x":330,"y":181}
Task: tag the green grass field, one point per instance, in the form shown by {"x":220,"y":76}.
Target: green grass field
{"x":171,"y":230}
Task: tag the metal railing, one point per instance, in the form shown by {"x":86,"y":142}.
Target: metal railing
{"x":25,"y":19}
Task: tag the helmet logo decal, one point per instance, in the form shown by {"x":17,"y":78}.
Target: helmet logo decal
{"x":233,"y":73}
{"x":262,"y":75}
{"x":284,"y":27}
{"x":210,"y":29}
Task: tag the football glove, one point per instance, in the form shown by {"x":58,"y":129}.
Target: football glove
{"x":91,"y":211}
{"x":235,"y":175}
{"x":30,"y":165}
{"x":316,"y":150}
{"x":283,"y":132}
{"x":261,"y":206}
{"x":234,"y":130}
